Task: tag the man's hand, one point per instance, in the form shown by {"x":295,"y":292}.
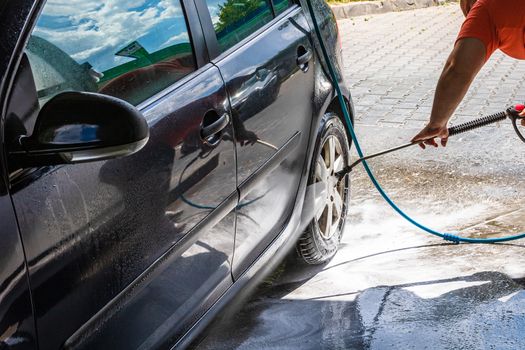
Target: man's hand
{"x":522,"y":114}
{"x":429,"y":132}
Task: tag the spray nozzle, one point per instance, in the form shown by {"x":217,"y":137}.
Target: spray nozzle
{"x":516,"y":110}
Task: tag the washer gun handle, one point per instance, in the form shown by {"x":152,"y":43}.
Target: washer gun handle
{"x":511,"y":112}
{"x":514,"y":114}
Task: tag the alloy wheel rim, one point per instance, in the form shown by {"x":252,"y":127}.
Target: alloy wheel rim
{"x":330,"y":160}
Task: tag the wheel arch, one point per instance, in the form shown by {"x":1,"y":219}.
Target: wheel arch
{"x":335,"y":107}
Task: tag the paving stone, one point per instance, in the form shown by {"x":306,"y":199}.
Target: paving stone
{"x":414,"y":124}
{"x":389,"y":123}
{"x":397,"y":116}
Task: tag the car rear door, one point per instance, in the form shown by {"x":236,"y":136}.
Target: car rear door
{"x":127,"y":253}
{"x":264,"y":53}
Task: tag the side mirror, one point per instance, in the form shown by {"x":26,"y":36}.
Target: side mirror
{"x":75,"y":127}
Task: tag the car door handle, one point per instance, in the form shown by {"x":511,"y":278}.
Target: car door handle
{"x":215,"y":127}
{"x":303,"y":59}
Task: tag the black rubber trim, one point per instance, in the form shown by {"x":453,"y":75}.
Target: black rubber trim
{"x":195,"y":31}
{"x":207,"y":29}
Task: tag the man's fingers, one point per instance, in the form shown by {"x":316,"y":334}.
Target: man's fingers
{"x":417,"y":138}
{"x":422,"y":137}
{"x":431,"y":142}
{"x":428,"y":135}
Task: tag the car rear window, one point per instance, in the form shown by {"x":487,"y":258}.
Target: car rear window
{"x":234,"y":20}
{"x":128,"y":49}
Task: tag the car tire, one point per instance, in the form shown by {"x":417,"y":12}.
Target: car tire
{"x":321,"y":239}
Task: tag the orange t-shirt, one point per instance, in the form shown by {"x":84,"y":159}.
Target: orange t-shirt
{"x":500,"y":24}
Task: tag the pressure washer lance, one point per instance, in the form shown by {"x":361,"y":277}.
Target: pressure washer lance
{"x":512,"y":113}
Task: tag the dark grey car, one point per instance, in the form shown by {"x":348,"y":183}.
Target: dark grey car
{"x":155,"y":160}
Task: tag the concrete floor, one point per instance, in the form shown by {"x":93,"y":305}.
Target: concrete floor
{"x":392,"y":286}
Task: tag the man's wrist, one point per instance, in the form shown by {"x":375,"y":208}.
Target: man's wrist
{"x":436,"y":124}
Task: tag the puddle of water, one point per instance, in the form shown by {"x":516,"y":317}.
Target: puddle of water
{"x":437,"y":289}
{"x":502,"y":225}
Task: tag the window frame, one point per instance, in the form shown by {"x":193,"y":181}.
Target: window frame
{"x":195,"y":33}
{"x":200,"y":53}
{"x":197,"y":40}
{"x":212,"y":43}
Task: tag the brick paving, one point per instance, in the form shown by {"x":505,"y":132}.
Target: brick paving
{"x":392,"y":63}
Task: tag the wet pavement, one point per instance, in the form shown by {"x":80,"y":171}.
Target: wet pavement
{"x":391,"y":286}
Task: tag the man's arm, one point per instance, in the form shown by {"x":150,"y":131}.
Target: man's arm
{"x":462,"y":66}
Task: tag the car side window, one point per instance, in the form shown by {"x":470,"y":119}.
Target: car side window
{"x":234,"y":20}
{"x":280,"y":6}
{"x":127,"y":49}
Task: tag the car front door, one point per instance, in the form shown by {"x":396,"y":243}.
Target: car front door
{"x":266,"y":59}
{"x":16,"y":315}
{"x":129,"y":252}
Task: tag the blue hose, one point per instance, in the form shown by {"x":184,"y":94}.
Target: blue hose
{"x":446,"y":236}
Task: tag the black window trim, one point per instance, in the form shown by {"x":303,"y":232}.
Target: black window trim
{"x":207,"y":28}
{"x":196,"y":35}
{"x":12,"y":69}
{"x":200,"y":53}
